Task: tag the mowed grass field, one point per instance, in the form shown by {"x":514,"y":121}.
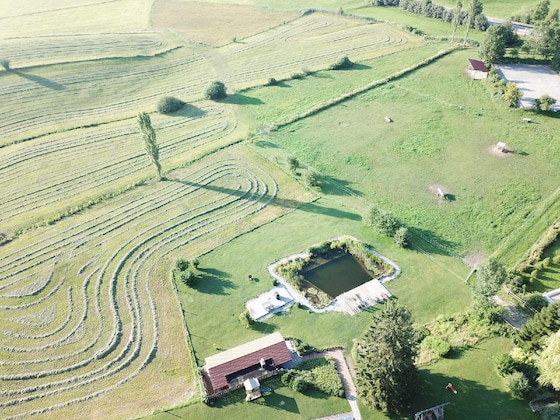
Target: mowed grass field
{"x":91,"y":320}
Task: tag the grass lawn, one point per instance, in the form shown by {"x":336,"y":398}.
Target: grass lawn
{"x":281,"y":403}
{"x":480,"y":391}
{"x":505,"y":8}
{"x":225,"y":287}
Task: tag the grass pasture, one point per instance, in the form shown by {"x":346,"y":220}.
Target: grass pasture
{"x":395,"y":165}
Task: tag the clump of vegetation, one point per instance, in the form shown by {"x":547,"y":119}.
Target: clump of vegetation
{"x":185,"y":272}
{"x":298,"y":75}
{"x":302,"y":347}
{"x":246,"y":319}
{"x":169,"y":104}
{"x":544,"y":103}
{"x":215,"y":90}
{"x":5,"y":63}
{"x":293,"y":164}
{"x":319,"y":373}
{"x":272,"y":82}
{"x":311,"y":178}
{"x":388,"y":224}
{"x":342,"y":63}
{"x":535,"y":331}
{"x":437,"y":345}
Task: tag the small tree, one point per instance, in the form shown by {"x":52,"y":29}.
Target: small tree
{"x":293,"y":164}
{"x":490,"y":276}
{"x":402,"y":237}
{"x":150,"y":144}
{"x":215,"y":90}
{"x":341,"y":64}
{"x":512,"y":95}
{"x":188,"y":278}
{"x":182,"y":264}
{"x":5,"y":63}
{"x":169,"y":104}
{"x":517,"y":383}
{"x":246,"y":319}
{"x":544,"y":103}
{"x":312,"y":178}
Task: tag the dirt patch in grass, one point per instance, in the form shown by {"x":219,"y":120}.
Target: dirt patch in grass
{"x":500,"y":150}
{"x":215,"y":24}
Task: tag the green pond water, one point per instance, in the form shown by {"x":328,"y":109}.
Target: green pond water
{"x":338,"y":276}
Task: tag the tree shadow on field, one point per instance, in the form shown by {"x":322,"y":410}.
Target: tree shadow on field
{"x":189,"y":111}
{"x":240,"y":99}
{"x":214,"y":282}
{"x":358,"y":66}
{"x":336,"y":186}
{"x":490,"y":403}
{"x":280,"y":202}
{"x":49,"y":84}
{"x":429,"y":242}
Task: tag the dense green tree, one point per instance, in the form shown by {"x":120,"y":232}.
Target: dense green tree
{"x":385,"y":368}
{"x":493,"y":46}
{"x":169,"y":104}
{"x":383,"y":221}
{"x":541,"y":11}
{"x":535,"y":331}
{"x":150,"y":144}
{"x":402,"y":237}
{"x":549,"y":362}
{"x":5,"y":63}
{"x":512,"y":95}
{"x":215,"y":90}
{"x":490,"y":276}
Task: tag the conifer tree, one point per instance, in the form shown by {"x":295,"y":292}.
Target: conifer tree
{"x":385,"y":359}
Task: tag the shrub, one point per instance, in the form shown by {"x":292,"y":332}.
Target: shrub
{"x":298,"y":76}
{"x":341,"y":64}
{"x":169,"y":104}
{"x":544,"y":102}
{"x":402,"y":237}
{"x":188,"y":278}
{"x":246,"y":319}
{"x":274,"y":282}
{"x":293,"y":164}
{"x":195,"y":263}
{"x":536,"y":301}
{"x":299,"y":384}
{"x":551,"y":412}
{"x":517,"y":383}
{"x":215,"y":90}
{"x":181,"y":264}
{"x":312,"y":178}
{"x":272,"y":82}
{"x":5,"y":63}
{"x":437,"y":345}
{"x":505,"y":364}
{"x":302,"y":348}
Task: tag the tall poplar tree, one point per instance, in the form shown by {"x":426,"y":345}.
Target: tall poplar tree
{"x":385,"y":368}
{"x":456,"y":18}
{"x":150,"y":144}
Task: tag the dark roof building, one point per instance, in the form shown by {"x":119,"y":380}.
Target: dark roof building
{"x":477,"y":69}
{"x":228,"y":366}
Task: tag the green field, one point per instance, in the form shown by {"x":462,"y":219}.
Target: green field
{"x":91,"y":319}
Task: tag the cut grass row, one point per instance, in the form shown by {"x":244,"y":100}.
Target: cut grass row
{"x":111,"y":332}
{"x":94,"y":161}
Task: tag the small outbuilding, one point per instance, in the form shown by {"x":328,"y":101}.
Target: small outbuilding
{"x":477,"y":70}
{"x":252,"y":388}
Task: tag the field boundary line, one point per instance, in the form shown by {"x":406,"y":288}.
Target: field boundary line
{"x":339,"y":99}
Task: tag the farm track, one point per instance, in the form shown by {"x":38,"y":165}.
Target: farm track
{"x":104,"y":327}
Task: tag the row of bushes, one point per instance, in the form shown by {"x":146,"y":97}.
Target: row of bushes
{"x":186,"y":271}
{"x":435,"y":11}
{"x":389,"y":225}
{"x":320,"y":374}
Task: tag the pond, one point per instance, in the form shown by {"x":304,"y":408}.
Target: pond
{"x":338,"y":275}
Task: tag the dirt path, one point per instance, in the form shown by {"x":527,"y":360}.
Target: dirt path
{"x":347,"y":382}
{"x":513,"y":315}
